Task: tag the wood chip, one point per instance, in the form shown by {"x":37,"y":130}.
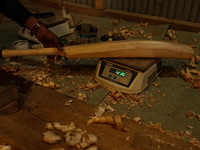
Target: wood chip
{"x":68,"y":103}
{"x":190,"y":114}
{"x":149,"y":105}
{"x":51,"y":138}
{"x":100,"y":110}
{"x":190,"y":127}
{"x":137,"y":120}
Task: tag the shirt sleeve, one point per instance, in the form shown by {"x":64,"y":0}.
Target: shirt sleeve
{"x":14,"y":10}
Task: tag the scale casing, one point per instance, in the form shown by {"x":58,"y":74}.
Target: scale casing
{"x":127,"y":75}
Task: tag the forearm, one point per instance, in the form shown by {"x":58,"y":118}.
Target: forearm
{"x":14,"y":10}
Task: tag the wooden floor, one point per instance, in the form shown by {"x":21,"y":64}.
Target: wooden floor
{"x":23,"y":130}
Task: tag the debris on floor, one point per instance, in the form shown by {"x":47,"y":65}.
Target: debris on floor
{"x":191,"y":75}
{"x":108,"y":119}
{"x":74,"y":136}
{"x":5,"y":147}
{"x":171,"y":34}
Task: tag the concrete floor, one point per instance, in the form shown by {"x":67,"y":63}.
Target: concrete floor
{"x":169,"y":102}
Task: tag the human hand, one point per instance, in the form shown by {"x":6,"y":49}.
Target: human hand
{"x":49,"y":39}
{"x":44,"y":35}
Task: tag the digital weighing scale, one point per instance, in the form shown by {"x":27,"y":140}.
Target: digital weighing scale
{"x":127,"y":75}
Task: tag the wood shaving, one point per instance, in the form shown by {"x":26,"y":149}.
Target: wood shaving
{"x":192,"y":76}
{"x":51,"y":138}
{"x":49,"y":126}
{"x":82,"y":97}
{"x":163,"y":95}
{"x":109,"y":108}
{"x":116,"y":94}
{"x":196,"y":84}
{"x":190,"y":127}
{"x":90,"y":86}
{"x":141,"y":31}
{"x":153,"y":100}
{"x":195,"y":40}
{"x":171,"y":34}
{"x":57,"y":126}
{"x":69,"y":102}
{"x":144,"y":24}
{"x":128,"y":139}
{"x":157,"y":127}
{"x":198,"y":117}
{"x":112,"y":120}
{"x":116,"y":21}
{"x":149,"y":105}
{"x":138,"y":120}
{"x":68,"y":128}
{"x":190,"y":114}
{"x":100,"y":110}
{"x":188,"y":133}
{"x":70,"y":77}
{"x":194,"y":61}
{"x":194,"y":142}
{"x":156,"y":85}
{"x":5,"y":147}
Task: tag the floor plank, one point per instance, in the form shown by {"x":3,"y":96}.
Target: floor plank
{"x":24,"y":129}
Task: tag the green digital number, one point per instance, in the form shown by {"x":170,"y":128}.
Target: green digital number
{"x":120,"y":73}
{"x":123,"y":74}
{"x":117,"y":72}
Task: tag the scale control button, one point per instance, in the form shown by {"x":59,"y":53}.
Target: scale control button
{"x":115,"y":77}
{"x":110,"y":75}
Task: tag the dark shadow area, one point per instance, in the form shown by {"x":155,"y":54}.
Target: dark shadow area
{"x":20,"y":85}
{"x":168,"y":71}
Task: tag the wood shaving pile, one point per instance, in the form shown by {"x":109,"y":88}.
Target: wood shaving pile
{"x":124,"y":99}
{"x":74,"y":137}
{"x":191,"y":75}
{"x":194,"y":142}
{"x":157,"y":127}
{"x":127,"y":31}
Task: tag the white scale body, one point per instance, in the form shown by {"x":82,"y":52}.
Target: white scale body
{"x":127,"y":75}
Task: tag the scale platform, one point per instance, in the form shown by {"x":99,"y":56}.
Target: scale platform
{"x":128,"y":75}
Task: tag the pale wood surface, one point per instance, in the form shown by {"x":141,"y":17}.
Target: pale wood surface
{"x":131,"y":49}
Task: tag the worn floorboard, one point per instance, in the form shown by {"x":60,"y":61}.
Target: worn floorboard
{"x":23,"y":130}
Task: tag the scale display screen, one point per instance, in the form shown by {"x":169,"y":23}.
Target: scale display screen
{"x":117,"y":72}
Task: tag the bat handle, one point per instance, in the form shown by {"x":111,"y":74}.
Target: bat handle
{"x":31,"y":52}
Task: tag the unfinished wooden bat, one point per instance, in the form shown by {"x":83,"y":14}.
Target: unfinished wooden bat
{"x":131,"y":48}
